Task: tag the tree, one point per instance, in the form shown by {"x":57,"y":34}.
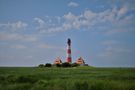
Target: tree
{"x":58,"y":65}
{"x":41,"y":65}
{"x":66,"y":64}
{"x":48,"y":65}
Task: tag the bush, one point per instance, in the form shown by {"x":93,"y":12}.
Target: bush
{"x":82,"y":86}
{"x":42,"y":82}
{"x":48,"y":65}
{"x":74,"y":65}
{"x":58,"y":65}
{"x":11,"y":78}
{"x":2,"y":78}
{"x":26,"y":79}
{"x":41,"y":65}
{"x":66,"y":64}
{"x":22,"y":86}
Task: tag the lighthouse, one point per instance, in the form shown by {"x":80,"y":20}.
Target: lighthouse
{"x":69,"y":58}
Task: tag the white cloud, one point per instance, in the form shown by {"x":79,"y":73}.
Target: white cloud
{"x":113,"y":48}
{"x":72,"y":21}
{"x":87,"y":20}
{"x":29,"y":38}
{"x":88,"y":14}
{"x":110,"y":42}
{"x":19,"y":25}
{"x":113,"y":51}
{"x":30,"y":57}
{"x":18,"y":46}
{"x":118,"y":31}
{"x":70,"y":17}
{"x":105,"y":54}
{"x":7,"y":36}
{"x":15,"y":36}
{"x":47,"y":46}
{"x":67,"y":26}
{"x":73,"y":4}
{"x":122,"y":11}
{"x":40,"y":22}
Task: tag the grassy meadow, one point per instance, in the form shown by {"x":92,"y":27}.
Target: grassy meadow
{"x":78,"y":78}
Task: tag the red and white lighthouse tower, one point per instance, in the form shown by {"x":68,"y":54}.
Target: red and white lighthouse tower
{"x":69,"y":58}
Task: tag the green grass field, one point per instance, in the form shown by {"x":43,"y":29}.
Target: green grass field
{"x":80,"y":78}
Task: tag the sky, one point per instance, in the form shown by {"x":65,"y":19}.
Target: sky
{"x":34,"y":32}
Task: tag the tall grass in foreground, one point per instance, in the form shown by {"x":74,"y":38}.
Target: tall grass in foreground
{"x":67,"y":78}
